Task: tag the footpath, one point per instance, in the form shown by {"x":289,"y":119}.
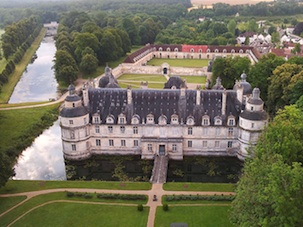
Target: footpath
{"x":156,"y":192}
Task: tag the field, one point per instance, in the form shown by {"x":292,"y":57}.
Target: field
{"x":230,"y":2}
{"x":190,"y":63}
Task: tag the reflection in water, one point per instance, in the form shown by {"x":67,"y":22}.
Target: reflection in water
{"x":38,"y":82}
{"x":44,"y":159}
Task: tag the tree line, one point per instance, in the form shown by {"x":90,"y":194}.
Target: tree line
{"x":17,"y":38}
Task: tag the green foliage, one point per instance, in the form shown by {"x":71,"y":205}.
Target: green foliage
{"x":140,"y":207}
{"x":121,"y":196}
{"x":229,"y":70}
{"x":269,"y":192}
{"x":199,"y":198}
{"x":165,"y":207}
{"x":89,"y":63}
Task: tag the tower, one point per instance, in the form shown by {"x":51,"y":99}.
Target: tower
{"x":74,"y":123}
{"x":252,"y":121}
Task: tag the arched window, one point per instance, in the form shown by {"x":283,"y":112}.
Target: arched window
{"x":224,"y":51}
{"x":176,"y":49}
{"x":190,"y":120}
{"x":216,"y":51}
{"x":192,"y":50}
{"x":168,"y":49}
{"x":160,"y":49}
{"x":200,"y":50}
{"x":232,"y":51}
{"x":208,"y":51}
{"x":241,"y":51}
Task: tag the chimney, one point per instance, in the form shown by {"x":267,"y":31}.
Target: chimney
{"x":129,"y":95}
{"x":198,"y":96}
{"x":224,"y":102}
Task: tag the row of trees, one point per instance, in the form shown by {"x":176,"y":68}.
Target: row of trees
{"x":269,"y":193}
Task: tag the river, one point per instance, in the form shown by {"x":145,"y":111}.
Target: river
{"x":43,"y":160}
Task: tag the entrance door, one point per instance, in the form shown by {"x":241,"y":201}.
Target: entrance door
{"x":164,"y":71}
{"x":161,"y":149}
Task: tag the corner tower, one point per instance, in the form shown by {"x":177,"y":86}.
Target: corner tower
{"x":252,"y":121}
{"x":74,"y":123}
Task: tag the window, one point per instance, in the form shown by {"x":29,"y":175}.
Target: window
{"x":217,"y":131}
{"x":96,"y":119}
{"x":122,"y":129}
{"x":136,"y":143}
{"x":189,"y":143}
{"x":97,"y":129}
{"x":84,"y":119}
{"x":110,"y":129}
{"x":72,"y":134}
{"x":217,"y":143}
{"x":74,"y":147}
{"x":135,"y":130}
{"x":204,"y":143}
{"x":205,"y":121}
{"x":98,"y":143}
{"x":123,"y":143}
{"x":230,"y":131}
{"x":71,"y":122}
{"x":251,"y":108}
{"x":111,"y":143}
{"x":149,"y":147}
{"x":252,"y":125}
{"x":230,"y":144}
{"x":190,"y":131}
{"x":122,"y":120}
{"x":231,"y":122}
{"x":74,"y":104}
{"x":174,"y":147}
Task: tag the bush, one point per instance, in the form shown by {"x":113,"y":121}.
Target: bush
{"x":70,"y":194}
{"x":140,"y":207}
{"x":88,"y":196}
{"x":165,"y":207}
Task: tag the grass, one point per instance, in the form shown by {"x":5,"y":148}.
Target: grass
{"x":73,"y":214}
{"x":8,"y":88}
{"x":136,"y":85}
{"x":6,"y":105}
{"x":16,"y":122}
{"x":190,"y":63}
{"x":143,"y":77}
{"x":194,"y":216}
{"x":63,"y":212}
{"x":213,"y":187}
{"x":16,"y":186}
{"x":194,"y":79}
{"x":8,"y":202}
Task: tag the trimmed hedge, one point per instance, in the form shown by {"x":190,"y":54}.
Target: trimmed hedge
{"x":121,"y":196}
{"x":200,"y":197}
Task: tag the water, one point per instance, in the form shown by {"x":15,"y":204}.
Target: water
{"x":43,"y":160}
{"x":38,"y":82}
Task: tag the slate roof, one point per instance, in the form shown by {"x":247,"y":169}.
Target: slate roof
{"x":108,"y":101}
{"x":73,"y":112}
{"x":254,"y":116}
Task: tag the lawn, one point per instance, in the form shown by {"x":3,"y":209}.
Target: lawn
{"x":211,"y":187}
{"x":134,"y":80}
{"x":194,"y":79}
{"x":190,"y":63}
{"x":16,"y":186}
{"x":136,"y":85}
{"x":73,"y":214}
{"x":65,"y":213}
{"x":8,"y":202}
{"x":8,"y":88}
{"x":194,"y":216}
{"x":14,"y":123}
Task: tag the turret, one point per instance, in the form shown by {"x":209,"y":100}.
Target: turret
{"x":74,"y":120}
{"x":252,"y":121}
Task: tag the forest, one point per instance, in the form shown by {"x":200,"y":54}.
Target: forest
{"x":91,"y":33}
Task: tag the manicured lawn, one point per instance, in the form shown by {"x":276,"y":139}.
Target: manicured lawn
{"x":6,"y":105}
{"x":143,"y":77}
{"x":211,"y":187}
{"x":194,"y":79}
{"x":194,"y":216}
{"x":14,"y":123}
{"x":73,"y":214}
{"x":190,"y":63}
{"x":25,"y":186}
{"x":137,"y":85}
{"x":15,"y":213}
{"x":8,"y":202}
{"x":8,"y":88}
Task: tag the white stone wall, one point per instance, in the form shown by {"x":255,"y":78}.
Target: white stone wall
{"x":251,"y":125}
{"x":74,"y":121}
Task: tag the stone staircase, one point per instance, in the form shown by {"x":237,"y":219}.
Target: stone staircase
{"x":159,"y":172}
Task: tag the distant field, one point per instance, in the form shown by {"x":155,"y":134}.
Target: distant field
{"x":191,"y":63}
{"x":230,"y":2}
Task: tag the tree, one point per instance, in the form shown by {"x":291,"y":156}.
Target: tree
{"x":89,"y":63}
{"x":269,"y":191}
{"x":279,"y":86}
{"x":129,"y":26}
{"x":260,"y":73}
{"x":297,"y":49}
{"x":65,"y":66}
{"x":231,"y":26}
{"x":6,"y":170}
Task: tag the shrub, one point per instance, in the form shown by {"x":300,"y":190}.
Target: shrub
{"x":140,"y":207}
{"x":70,"y":194}
{"x":88,"y":196}
{"x":165,"y":207}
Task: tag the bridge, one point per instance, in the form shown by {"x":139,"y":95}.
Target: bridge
{"x":159,"y":172}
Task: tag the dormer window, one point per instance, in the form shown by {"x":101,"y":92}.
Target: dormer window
{"x":135,"y":119}
{"x":160,"y":49}
{"x":162,"y":120}
{"x":174,"y":119}
{"x":218,"y":121}
{"x":110,"y":119}
{"x":150,"y":119}
{"x":190,"y":121}
{"x":96,"y":119}
{"x":231,"y":121}
{"x":121,"y":119}
{"x":205,"y":120}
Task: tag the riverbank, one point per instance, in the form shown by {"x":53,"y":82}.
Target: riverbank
{"x":8,"y":88}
